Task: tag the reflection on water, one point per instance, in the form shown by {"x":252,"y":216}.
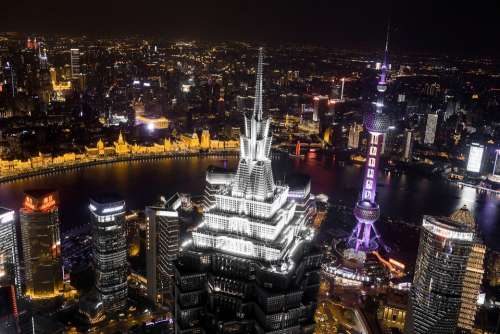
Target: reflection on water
{"x":404,"y":196}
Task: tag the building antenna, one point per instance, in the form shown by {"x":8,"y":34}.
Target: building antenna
{"x":383,"y":75}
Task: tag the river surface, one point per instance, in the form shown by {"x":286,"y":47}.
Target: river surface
{"x":405,"y":196}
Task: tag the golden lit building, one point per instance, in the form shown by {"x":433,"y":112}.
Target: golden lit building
{"x":187,"y":142}
{"x":205,"y":140}
{"x":392,"y":311}
{"x":152,"y":123}
{"x":191,"y":141}
{"x":121,"y":146}
{"x":41,"y":244}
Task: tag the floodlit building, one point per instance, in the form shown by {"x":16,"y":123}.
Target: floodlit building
{"x":162,"y":248}
{"x":430,"y":129}
{"x":41,"y":243}
{"x":407,"y":145}
{"x":109,"y":250}
{"x":448,"y":275}
{"x":354,"y":135}
{"x":250,"y":265}
{"x":475,"y":159}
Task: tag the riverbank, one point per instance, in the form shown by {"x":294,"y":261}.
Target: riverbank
{"x":110,"y":160}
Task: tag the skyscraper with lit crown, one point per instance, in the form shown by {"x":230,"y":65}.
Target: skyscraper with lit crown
{"x":250,"y":266}
{"x":109,"y":250}
{"x":41,"y":244}
{"x":448,"y":276}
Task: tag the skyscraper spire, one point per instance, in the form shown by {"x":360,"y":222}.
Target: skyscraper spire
{"x":254,"y":179}
{"x":383,"y":74}
{"x":257,"y":108}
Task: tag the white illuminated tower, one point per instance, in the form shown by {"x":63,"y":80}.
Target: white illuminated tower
{"x":249,"y":266}
{"x":367,"y":211}
{"x":252,"y":216}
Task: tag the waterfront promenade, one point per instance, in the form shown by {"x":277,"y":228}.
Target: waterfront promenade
{"x":88,"y":162}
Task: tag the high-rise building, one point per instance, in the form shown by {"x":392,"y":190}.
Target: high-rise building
{"x":475,"y":159}
{"x":75,"y":63}
{"x":162,"y":248}
{"x":10,"y":79}
{"x":250,"y":265}
{"x":430,"y":129}
{"x":109,"y":250}
{"x":9,"y":256}
{"x":320,"y":111}
{"x":41,"y":244}
{"x":473,"y":273}
{"x":354,"y":135}
{"x":320,"y":107}
{"x":448,"y":275}
{"x":407,"y":145}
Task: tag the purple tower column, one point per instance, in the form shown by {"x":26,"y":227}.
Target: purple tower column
{"x":367,"y":211}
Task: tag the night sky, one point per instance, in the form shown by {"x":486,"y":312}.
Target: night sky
{"x":439,"y":26}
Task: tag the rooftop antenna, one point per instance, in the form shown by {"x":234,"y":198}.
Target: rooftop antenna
{"x":383,"y":75}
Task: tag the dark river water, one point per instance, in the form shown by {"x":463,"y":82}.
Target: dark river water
{"x":405,"y":196}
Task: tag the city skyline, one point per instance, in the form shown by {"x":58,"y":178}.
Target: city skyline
{"x":249,"y":167}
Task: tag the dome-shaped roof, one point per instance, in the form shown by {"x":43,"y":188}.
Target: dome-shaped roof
{"x":464,"y":216}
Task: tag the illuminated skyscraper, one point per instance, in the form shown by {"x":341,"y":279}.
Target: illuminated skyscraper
{"x":250,"y":266}
{"x":75,"y":63}
{"x":354,"y":135}
{"x":448,"y":276}
{"x":367,"y":211}
{"x":162,"y":248}
{"x":407,"y":145}
{"x":475,"y":158}
{"x":9,"y":256}
{"x":109,"y":250}
{"x":430,"y":129}
{"x":41,"y":244}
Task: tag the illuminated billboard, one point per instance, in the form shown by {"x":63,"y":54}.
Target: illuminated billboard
{"x":475,"y":158}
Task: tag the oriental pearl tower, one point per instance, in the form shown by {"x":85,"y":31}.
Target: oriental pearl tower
{"x":367,"y":211}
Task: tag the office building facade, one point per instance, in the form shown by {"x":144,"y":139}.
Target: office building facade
{"x":162,"y":248}
{"x":407,"y":145}
{"x":109,"y":250}
{"x":448,"y":275}
{"x":430,"y":129}
{"x":41,"y":244}
{"x":75,"y":63}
